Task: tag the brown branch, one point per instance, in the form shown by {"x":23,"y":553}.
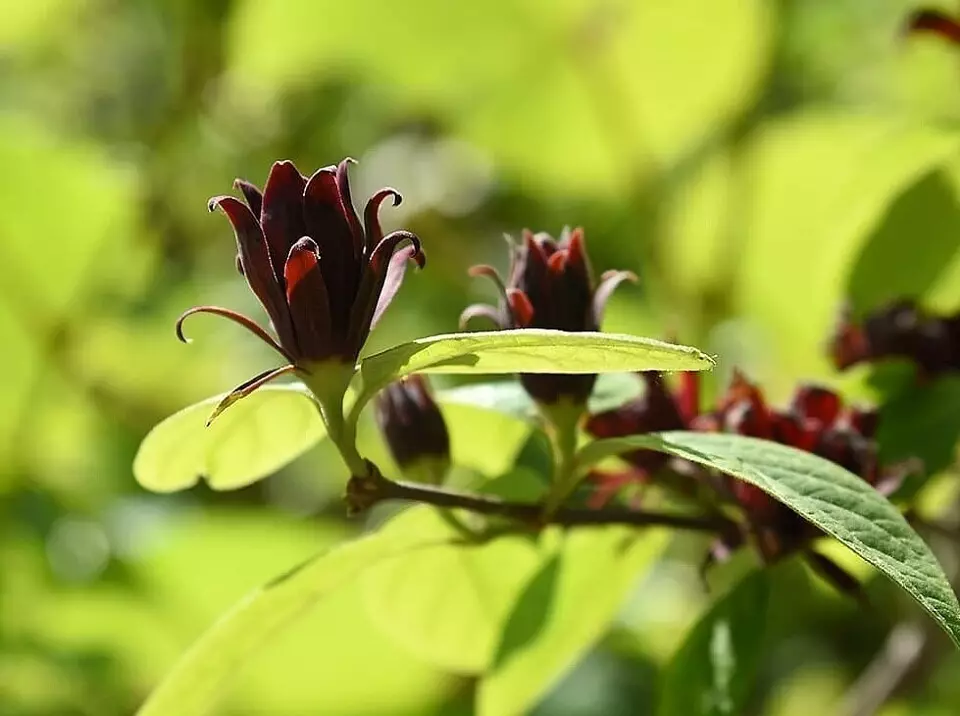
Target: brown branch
{"x":366,"y":491}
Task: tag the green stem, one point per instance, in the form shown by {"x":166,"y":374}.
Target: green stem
{"x":563,"y":420}
{"x":328,"y":382}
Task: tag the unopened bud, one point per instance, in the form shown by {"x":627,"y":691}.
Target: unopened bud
{"x":414,"y":429}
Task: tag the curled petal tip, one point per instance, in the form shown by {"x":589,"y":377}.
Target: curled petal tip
{"x":480,"y":310}
{"x":482,"y":270}
{"x":621,"y":275}
{"x":179,"y":326}
{"x":213,"y":202}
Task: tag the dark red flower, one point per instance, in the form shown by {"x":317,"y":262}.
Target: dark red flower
{"x":323,"y":276}
{"x":935,"y":22}
{"x":413,"y":426}
{"x":655,"y":410}
{"x":815,"y":421}
{"x":899,"y":330}
{"x":551,"y":286}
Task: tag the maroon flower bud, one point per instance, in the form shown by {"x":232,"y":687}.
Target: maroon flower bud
{"x":863,"y":421}
{"x":550,"y":286}
{"x":414,"y":428}
{"x":323,"y":276}
{"x":935,"y":22}
{"x":655,"y":410}
{"x":900,"y":330}
{"x":816,"y":403}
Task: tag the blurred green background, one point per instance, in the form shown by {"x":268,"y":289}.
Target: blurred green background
{"x":738,"y":155}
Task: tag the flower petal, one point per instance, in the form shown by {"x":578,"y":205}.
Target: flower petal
{"x":608,"y":284}
{"x":346,"y":205}
{"x":329,"y":227}
{"x":371,"y":217}
{"x":256,"y":264}
{"x":282,"y":213}
{"x":396,"y":269}
{"x":308,"y":301}
{"x":374,"y":294}
{"x":520,"y":308}
{"x":688,"y":396}
{"x":237,"y":318}
{"x":252,"y":194}
{"x":247,"y":387}
{"x":818,"y":403}
{"x":482,"y":310}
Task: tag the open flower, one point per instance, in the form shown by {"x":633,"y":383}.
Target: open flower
{"x":551,"y":286}
{"x":323,"y":277}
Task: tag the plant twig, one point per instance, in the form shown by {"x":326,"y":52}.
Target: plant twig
{"x":363,"y":492}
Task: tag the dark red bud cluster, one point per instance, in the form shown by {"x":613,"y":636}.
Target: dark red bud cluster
{"x":899,"y":330}
{"x":815,"y":421}
{"x":935,"y":22}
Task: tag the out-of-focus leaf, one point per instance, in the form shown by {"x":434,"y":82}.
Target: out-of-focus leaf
{"x":818,"y":183}
{"x":611,"y":391}
{"x":252,"y":439}
{"x":563,"y":610}
{"x":712,"y":672}
{"x":922,"y":422}
{"x":199,"y":679}
{"x":448,"y":604}
{"x":62,"y":198}
{"x":911,"y":248}
{"x":603,"y":71}
{"x":838,"y":502}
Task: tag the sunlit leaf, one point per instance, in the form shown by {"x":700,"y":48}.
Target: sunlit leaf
{"x":567,"y":605}
{"x":507,"y":396}
{"x":817,"y":184}
{"x":713,"y":671}
{"x":199,"y":679}
{"x":836,"y":501}
{"x":448,"y":604}
{"x":251,"y":440}
{"x":929,"y":210}
{"x":526,"y":351}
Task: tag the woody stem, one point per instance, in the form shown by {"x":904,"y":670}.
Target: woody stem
{"x":367,"y":491}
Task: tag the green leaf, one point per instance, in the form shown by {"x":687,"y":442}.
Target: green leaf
{"x":563,"y":610}
{"x":929,"y":209}
{"x":525,"y":351}
{"x":848,"y":167}
{"x":198,"y":680}
{"x":254,"y":438}
{"x":508,"y":397}
{"x":836,"y":501}
{"x":712,"y":672}
{"x":921,"y":422}
{"x":448,"y":604}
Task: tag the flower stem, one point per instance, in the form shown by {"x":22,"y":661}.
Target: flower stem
{"x":563,"y":419}
{"x":328,"y":382}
